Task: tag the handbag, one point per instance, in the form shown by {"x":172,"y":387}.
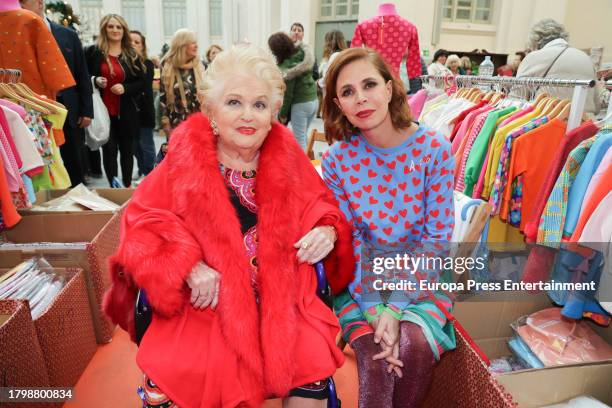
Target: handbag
{"x":98,"y":131}
{"x":143,"y":314}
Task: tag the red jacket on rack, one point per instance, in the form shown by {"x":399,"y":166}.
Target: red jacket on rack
{"x":241,"y":352}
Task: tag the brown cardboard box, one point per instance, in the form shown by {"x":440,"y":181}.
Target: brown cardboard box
{"x":99,"y":233}
{"x":21,"y":357}
{"x":118,"y":196}
{"x":488,"y":322}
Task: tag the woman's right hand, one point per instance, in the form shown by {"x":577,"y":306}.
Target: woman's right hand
{"x":167,"y":130}
{"x":204,"y":283}
{"x":101,"y":82}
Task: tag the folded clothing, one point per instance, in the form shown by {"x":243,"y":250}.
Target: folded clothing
{"x":556,"y":340}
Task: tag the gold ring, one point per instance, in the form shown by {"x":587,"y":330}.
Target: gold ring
{"x":305,"y":245}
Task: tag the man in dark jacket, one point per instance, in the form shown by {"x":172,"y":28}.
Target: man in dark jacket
{"x":78,"y":99}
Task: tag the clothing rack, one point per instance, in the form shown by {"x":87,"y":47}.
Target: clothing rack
{"x":14,"y":75}
{"x":581,"y":87}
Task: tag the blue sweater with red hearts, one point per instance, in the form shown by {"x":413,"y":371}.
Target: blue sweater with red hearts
{"x":397,"y":195}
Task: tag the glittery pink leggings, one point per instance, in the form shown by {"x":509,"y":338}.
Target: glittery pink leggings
{"x":379,"y":389}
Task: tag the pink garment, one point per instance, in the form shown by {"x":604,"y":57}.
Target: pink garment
{"x":557,"y":340}
{"x":465,"y":127}
{"x":480,"y":184}
{"x":416,"y":103}
{"x":393,"y":37}
{"x":13,"y":177}
{"x":515,"y":115}
{"x":473,"y":134}
{"x":7,"y":131}
{"x":14,"y":107}
{"x":602,"y":169}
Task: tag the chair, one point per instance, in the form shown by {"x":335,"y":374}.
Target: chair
{"x":315,"y":136}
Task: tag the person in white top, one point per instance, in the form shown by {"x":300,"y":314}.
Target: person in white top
{"x":553,"y":57}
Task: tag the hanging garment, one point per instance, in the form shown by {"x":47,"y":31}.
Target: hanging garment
{"x":24,"y":140}
{"x":569,"y":143}
{"x":28,"y":45}
{"x":393,"y":37}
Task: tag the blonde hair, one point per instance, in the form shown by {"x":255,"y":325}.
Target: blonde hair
{"x":128,"y":53}
{"x":243,"y":59}
{"x":175,"y":58}
{"x":451,"y":59}
{"x":466,"y":62}
{"x":210,"y":49}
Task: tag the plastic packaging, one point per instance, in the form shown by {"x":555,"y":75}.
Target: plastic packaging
{"x":486,"y":67}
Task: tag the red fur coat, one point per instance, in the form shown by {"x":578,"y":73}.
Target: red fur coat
{"x":243,"y":351}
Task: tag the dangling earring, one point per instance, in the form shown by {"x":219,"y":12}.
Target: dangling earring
{"x":215,"y":129}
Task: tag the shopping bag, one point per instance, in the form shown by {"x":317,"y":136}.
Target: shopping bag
{"x":99,"y":130}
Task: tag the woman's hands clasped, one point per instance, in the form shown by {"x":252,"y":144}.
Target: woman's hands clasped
{"x":204,"y":283}
{"x":316,"y":244}
{"x":387,"y":335}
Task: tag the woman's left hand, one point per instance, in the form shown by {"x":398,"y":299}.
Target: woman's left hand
{"x":118,"y":89}
{"x":315,"y":245}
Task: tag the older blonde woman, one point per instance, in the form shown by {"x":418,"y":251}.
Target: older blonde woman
{"x":181,"y":77}
{"x":222,"y":236}
{"x":453,"y":63}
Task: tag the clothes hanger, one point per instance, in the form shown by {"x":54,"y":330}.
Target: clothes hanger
{"x":7,"y":91}
{"x":559,"y":108}
{"x":24,"y":91}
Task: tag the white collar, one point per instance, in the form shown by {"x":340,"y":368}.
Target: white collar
{"x":558,"y":41}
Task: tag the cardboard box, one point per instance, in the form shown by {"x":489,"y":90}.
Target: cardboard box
{"x":488,"y":323}
{"x":21,"y":357}
{"x":119,"y":196}
{"x":99,"y":233}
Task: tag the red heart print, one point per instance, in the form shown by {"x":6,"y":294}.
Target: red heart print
{"x":355,"y":142}
{"x":388,"y":230}
{"x":381,"y":188}
{"x":343,"y":145}
{"x":415,"y":232}
{"x":444,"y":172}
{"x":372,"y":173}
{"x":402,"y":157}
{"x":344,"y":168}
{"x":394,"y":219}
{"x":391,"y":165}
{"x":436,"y":187}
{"x":416,"y":209}
{"x":356,"y":166}
{"x":355,"y":205}
{"x":416,"y":152}
{"x":388,"y":177}
{"x":416,"y":181}
{"x":402,"y":186}
{"x":420,"y":221}
{"x":354,"y":180}
{"x":358,"y":193}
{"x":373,"y":227}
{"x":407,"y":198}
{"x":368,"y":214}
{"x":434,"y":213}
{"x":445,"y":155}
{"x":382,"y":241}
{"x":382,"y":214}
{"x":340,"y":157}
{"x":367,"y":188}
{"x":373,"y":200}
{"x":439,"y":199}
{"x":419,"y":196}
{"x":368,"y":149}
{"x":393,"y":192}
{"x":380,"y":161}
{"x":332,"y":165}
{"x":352,"y":153}
{"x":389,"y":204}
{"x":420,"y":139}
{"x":365,"y":161}
{"x":439,"y":225}
{"x":333,"y":176}
{"x":435,"y":143}
{"x":447,"y":211}
{"x":403,"y":239}
{"x":403,"y":212}
{"x":343,"y":197}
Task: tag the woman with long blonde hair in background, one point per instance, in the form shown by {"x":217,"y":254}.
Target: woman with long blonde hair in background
{"x":120,"y":75}
{"x":181,"y":77}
